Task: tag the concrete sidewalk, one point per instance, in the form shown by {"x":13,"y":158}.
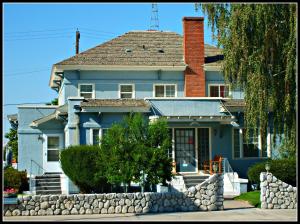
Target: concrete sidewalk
{"x":233,"y":211}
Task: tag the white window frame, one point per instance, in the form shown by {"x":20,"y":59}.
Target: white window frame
{"x":219,"y":85}
{"x":259,"y":156}
{"x":127,"y":84}
{"x":165,"y":89}
{"x":100,"y":134}
{"x":93,"y":86}
{"x":91,"y":135}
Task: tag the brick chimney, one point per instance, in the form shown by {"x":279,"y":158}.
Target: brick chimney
{"x":193,"y":48}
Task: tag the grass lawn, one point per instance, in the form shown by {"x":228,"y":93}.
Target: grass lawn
{"x":253,"y":197}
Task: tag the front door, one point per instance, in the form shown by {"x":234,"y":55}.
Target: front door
{"x":185,"y":150}
{"x":203,"y":146}
{"x":52,"y":145}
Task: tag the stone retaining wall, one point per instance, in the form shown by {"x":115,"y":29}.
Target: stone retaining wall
{"x":206,"y":196}
{"x":275,"y":194}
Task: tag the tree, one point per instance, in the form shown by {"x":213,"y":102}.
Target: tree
{"x":259,"y":47}
{"x":12,"y":136}
{"x":53,"y":102}
{"x":137,"y":151}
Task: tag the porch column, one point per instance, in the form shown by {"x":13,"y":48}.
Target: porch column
{"x":73,"y":120}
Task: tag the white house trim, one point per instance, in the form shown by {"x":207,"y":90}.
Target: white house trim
{"x":127,"y":84}
{"x":93,"y":91}
{"x":219,"y":84}
{"x":164,"y":84}
{"x":61,"y":68}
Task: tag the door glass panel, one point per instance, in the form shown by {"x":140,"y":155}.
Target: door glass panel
{"x":185,"y":150}
{"x":203,"y":145}
{"x":53,"y":156}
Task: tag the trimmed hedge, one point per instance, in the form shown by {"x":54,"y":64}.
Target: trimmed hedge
{"x":80,"y":164}
{"x":15,"y":179}
{"x":283,"y":169}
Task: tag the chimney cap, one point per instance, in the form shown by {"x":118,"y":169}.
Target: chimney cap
{"x":193,"y":18}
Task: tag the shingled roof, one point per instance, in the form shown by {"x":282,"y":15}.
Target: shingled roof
{"x":138,"y":48}
{"x":115,"y":103}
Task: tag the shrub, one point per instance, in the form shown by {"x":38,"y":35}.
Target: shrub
{"x":15,"y":179}
{"x":79,"y":163}
{"x":283,"y":169}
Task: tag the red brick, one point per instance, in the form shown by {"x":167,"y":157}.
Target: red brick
{"x":193,"y":43}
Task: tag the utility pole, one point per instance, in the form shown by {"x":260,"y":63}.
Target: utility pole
{"x":154,"y":24}
{"x":77,"y":41}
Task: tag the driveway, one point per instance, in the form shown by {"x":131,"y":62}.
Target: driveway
{"x":233,"y":211}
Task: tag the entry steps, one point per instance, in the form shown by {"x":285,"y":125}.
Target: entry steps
{"x":193,"y":180}
{"x":48,"y":183}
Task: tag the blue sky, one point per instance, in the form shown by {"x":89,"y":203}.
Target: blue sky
{"x":36,"y":36}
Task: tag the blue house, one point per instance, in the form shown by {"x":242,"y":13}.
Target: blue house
{"x":157,"y":73}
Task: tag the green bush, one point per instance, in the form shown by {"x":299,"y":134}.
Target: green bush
{"x":283,"y":169}
{"x":15,"y":179}
{"x":80,"y":164}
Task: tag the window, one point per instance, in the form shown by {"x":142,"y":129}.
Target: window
{"x":243,"y":148}
{"x":126,"y":91}
{"x":96,"y":135}
{"x":218,"y":90}
{"x":53,"y":149}
{"x":86,"y":91}
{"x":250,"y":147}
{"x":165,"y":90}
{"x":236,"y":143}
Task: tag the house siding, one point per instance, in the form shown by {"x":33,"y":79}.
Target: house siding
{"x":29,"y":146}
{"x":107,"y":82}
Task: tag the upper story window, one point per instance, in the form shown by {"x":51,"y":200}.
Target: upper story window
{"x":218,"y":90}
{"x":86,"y":90}
{"x":165,"y":90}
{"x":126,"y":91}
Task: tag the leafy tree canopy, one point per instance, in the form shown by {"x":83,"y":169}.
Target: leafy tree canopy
{"x":137,"y":151}
{"x":259,"y":47}
{"x":12,"y":136}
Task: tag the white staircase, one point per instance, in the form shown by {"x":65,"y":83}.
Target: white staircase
{"x":233,"y":185}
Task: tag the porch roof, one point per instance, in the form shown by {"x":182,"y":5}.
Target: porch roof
{"x":61,"y":110}
{"x":115,"y":105}
{"x":187,"y":107}
{"x":234,"y":105}
{"x":42,"y":120}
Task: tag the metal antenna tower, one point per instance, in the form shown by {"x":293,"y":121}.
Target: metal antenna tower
{"x":154,"y":25}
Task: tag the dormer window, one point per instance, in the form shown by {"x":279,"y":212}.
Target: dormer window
{"x":126,"y":91}
{"x":86,"y":90}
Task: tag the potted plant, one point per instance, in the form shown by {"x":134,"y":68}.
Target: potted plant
{"x":10,"y":192}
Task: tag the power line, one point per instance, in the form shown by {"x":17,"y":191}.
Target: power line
{"x":39,"y":35}
{"x":36,"y":31}
{"x":14,"y":104}
{"x":98,"y":31}
{"x":21,"y":73}
{"x":37,"y":38}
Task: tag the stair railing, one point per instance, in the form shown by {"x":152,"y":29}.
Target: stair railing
{"x":228,"y":169}
{"x":40,"y":168}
